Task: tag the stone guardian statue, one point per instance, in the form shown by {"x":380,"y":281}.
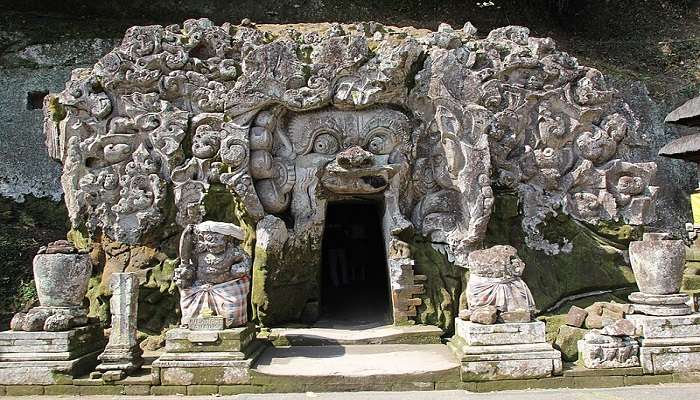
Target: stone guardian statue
{"x":214,"y":273}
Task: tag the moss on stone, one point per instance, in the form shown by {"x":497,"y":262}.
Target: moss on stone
{"x":56,"y":109}
{"x":284,"y":283}
{"x":443,"y":285}
{"x":596,"y":261}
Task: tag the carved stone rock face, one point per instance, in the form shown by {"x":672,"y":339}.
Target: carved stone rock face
{"x":290,"y":117}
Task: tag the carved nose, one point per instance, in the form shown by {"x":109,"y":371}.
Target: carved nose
{"x":355,"y":157}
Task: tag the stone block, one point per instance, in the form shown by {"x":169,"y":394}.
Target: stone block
{"x":24,"y":390}
{"x":659,"y":299}
{"x":593,"y":321}
{"x":598,"y":381}
{"x":137,"y":390}
{"x":506,"y":361}
{"x":508,"y":369}
{"x":230,"y":390}
{"x":667,"y":327}
{"x":46,"y":372}
{"x":104,"y":390}
{"x":621,"y":327}
{"x":484,"y":315}
{"x":663,"y":311}
{"x":600,"y":351}
{"x":669,"y":359}
{"x":517,"y":316}
{"x":576,"y":317}
{"x":202,"y":390}
{"x":206,"y":373}
{"x":168,"y":390}
{"x":496,"y":334}
{"x":567,"y":341}
{"x":648,"y":379}
{"x":62,"y":390}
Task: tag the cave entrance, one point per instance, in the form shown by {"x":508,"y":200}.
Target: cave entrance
{"x":355,"y":280}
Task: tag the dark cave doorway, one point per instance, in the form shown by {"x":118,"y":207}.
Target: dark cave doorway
{"x":355,"y":278}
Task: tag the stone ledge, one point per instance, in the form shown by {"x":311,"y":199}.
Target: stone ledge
{"x":557,"y":382}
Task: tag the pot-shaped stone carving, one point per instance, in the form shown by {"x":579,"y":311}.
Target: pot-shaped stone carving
{"x":658,"y":264}
{"x":61,"y":277}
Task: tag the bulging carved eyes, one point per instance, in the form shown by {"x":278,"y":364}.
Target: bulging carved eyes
{"x":326,"y":143}
{"x":380,"y":144}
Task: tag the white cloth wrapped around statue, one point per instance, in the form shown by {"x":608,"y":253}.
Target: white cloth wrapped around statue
{"x":214,"y":273}
{"x":495,"y":283}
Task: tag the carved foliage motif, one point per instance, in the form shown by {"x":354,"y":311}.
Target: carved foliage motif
{"x":438,"y":120}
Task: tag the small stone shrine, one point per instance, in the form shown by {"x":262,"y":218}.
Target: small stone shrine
{"x":490,"y":348}
{"x":54,"y":342}
{"x":669,"y":331}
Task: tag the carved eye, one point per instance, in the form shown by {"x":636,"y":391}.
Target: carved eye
{"x":326,"y":143}
{"x":380,"y":143}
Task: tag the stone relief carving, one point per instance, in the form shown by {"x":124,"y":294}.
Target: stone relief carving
{"x":433,"y":122}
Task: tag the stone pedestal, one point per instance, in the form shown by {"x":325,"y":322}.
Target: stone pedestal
{"x":504,"y":351}
{"x":216,"y":357}
{"x":604,"y":351}
{"x":661,"y":305}
{"x":668,"y":344}
{"x":122,"y":354}
{"x":45,"y":358}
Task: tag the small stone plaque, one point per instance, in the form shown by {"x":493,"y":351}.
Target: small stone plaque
{"x":213,"y":323}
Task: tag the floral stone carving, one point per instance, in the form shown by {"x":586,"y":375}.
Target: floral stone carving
{"x":214,"y":274}
{"x":288,"y":119}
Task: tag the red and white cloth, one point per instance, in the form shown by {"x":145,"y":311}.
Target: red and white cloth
{"x":228,"y":299}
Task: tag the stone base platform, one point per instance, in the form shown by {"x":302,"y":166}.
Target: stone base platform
{"x":504,"y":351}
{"x":668,"y":344}
{"x":207,"y":357}
{"x":662,"y":305}
{"x":44,"y":358}
{"x":387,"y":334}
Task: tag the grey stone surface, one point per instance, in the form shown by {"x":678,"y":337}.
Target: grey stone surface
{"x":498,"y":334}
{"x":659,"y":299}
{"x":504,"y":351}
{"x":46,"y":372}
{"x":61,"y":275}
{"x":576,"y":316}
{"x":358,"y":361}
{"x":669,"y":359}
{"x":122,"y":354}
{"x":667,"y":327}
{"x":39,"y":67}
{"x":658,"y":265}
{"x":598,"y":350}
{"x":567,"y":341}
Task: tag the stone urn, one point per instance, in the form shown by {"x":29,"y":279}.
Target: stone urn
{"x":658,"y":264}
{"x":61,"y":274}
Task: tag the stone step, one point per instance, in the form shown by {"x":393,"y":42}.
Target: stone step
{"x":387,"y":334}
{"x":357,"y":364}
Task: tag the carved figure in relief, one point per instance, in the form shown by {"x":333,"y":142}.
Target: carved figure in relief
{"x":214,"y":273}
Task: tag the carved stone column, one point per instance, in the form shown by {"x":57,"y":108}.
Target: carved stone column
{"x":122,"y":354}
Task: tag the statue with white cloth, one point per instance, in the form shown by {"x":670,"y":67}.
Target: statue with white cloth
{"x":495,"y":280}
{"x":214,"y":273}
